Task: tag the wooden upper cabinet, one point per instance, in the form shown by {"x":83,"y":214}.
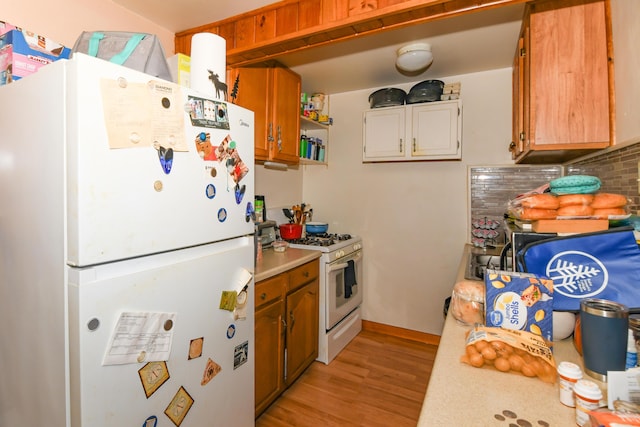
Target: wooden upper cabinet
{"x":273,"y":94}
{"x":565,"y":88}
{"x":261,"y":35}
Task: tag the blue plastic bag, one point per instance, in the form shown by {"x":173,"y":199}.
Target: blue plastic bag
{"x":604,"y":264}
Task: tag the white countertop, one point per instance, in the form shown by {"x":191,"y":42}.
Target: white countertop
{"x":461,"y":395}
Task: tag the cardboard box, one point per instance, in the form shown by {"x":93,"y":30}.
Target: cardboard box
{"x":570,"y":226}
{"x":23,"y":52}
{"x":180,"y":68}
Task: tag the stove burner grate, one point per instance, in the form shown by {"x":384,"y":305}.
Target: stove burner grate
{"x":321,"y":239}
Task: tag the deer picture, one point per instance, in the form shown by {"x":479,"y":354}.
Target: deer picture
{"x":220,"y":86}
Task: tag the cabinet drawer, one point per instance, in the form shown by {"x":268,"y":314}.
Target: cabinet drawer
{"x":303,"y":274}
{"x":270,"y":290}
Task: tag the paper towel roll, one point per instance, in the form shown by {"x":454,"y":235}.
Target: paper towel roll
{"x":209,"y":65}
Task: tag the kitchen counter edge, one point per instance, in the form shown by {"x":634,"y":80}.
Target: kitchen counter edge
{"x":274,"y":263}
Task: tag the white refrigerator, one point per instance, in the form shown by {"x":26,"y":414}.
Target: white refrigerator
{"x":126,"y":252}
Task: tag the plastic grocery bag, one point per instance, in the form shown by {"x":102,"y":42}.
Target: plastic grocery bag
{"x":139,"y":51}
{"x":604,"y":264}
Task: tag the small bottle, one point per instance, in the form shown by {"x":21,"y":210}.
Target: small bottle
{"x":632,"y":352}
{"x":568,"y":374}
{"x":588,"y":396}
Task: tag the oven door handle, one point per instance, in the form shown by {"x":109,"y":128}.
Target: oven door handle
{"x":340,"y":266}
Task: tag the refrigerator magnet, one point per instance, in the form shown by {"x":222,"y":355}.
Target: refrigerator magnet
{"x":195,"y":348}
{"x":151,"y":421}
{"x":228,"y":300}
{"x":240,"y":354}
{"x":210,"y":191}
{"x":179,"y":406}
{"x":211,"y":370}
{"x":153,"y":375}
{"x":205,"y":150}
{"x":231,"y":331}
{"x":165,"y":155}
{"x":222,"y":215}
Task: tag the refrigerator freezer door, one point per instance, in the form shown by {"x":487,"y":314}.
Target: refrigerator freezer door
{"x":141,"y":177}
{"x":186,"y":390}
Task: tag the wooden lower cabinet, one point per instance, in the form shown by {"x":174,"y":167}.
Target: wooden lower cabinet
{"x":286,"y":330}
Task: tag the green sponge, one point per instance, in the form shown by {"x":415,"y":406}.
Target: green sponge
{"x":575,"y":184}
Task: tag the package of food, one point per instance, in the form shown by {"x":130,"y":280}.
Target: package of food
{"x":467,"y":302}
{"x":519,"y":301}
{"x":607,"y":418}
{"x":518,"y":352}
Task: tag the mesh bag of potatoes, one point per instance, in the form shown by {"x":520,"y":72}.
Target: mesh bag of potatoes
{"x":506,"y":350}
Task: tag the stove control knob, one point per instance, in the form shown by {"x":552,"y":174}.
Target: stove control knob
{"x":339,"y":253}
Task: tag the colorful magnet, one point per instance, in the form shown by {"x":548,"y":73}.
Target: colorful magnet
{"x":222,"y":215}
{"x":231,"y":331}
{"x":211,"y":370}
{"x":166,"y":158}
{"x":204,"y":147}
{"x":228,"y":300}
{"x":239,"y":190}
{"x":210,"y":191}
{"x":195,"y":348}
{"x":251,"y":213}
{"x":240,"y":354}
{"x":179,"y":406}
{"x":153,"y":375}
{"x":152,"y":421}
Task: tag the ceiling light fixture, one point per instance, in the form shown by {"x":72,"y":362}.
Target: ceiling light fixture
{"x":414,"y":57}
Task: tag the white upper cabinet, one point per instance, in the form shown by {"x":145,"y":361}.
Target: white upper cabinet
{"x":426,"y":131}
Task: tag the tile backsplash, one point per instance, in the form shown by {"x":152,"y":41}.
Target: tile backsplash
{"x":491,"y":187}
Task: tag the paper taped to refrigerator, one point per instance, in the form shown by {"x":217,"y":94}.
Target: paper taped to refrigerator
{"x":143,"y":114}
{"x":140,"y":337}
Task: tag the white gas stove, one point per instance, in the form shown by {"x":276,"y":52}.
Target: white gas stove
{"x":341,"y":287}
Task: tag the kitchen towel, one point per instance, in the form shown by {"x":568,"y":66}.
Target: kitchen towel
{"x":604,"y":265}
{"x":209,"y":65}
{"x":349,"y":278}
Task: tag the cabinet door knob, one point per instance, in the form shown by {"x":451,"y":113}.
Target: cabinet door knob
{"x":305,"y":274}
{"x":292,"y":320}
{"x":263,"y":296}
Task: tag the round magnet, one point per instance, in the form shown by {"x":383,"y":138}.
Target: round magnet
{"x":202,"y":136}
{"x":157,"y":185}
{"x":152,"y":421}
{"x":232,"y":144}
{"x":222,"y":215}
{"x":166,"y":103}
{"x":122,"y":82}
{"x":231,"y":331}
{"x":134,"y":137}
{"x":93,"y":324}
{"x":210,"y":191}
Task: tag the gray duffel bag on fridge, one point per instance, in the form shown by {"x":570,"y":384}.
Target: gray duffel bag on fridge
{"x":139,"y":51}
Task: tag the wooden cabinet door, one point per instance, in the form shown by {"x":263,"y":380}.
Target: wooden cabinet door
{"x":569,"y":84}
{"x":302,"y":329}
{"x":253,"y":93}
{"x":285,"y":115}
{"x":269,"y":354}
{"x":384,"y":134}
{"x":435,"y":130}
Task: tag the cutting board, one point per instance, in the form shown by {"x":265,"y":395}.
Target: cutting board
{"x":569,"y":225}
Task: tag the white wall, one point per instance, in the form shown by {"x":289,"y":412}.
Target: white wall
{"x":412,"y":216}
{"x":64,"y":20}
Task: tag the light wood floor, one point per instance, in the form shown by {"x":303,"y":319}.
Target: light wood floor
{"x":377,"y":380}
